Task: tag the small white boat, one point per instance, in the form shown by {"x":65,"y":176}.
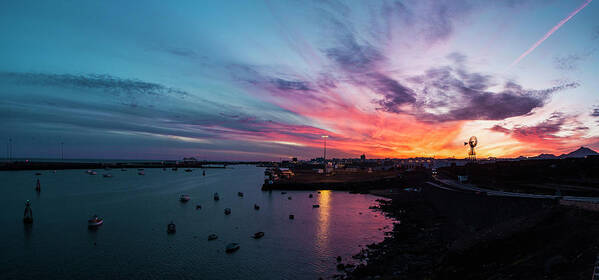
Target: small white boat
{"x":184,"y":198}
{"x":95,"y":222}
{"x":232,"y":247}
{"x":227,"y":211}
{"x":88,"y":171}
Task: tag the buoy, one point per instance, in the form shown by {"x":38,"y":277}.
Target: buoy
{"x":171,"y":228}
{"x":28,"y":215}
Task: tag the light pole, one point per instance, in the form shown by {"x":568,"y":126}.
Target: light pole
{"x":324,"y":157}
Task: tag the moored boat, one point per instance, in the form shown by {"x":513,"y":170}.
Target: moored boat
{"x":232,"y":247}
{"x":258,"y":235}
{"x":184,"y":198}
{"x":256,"y":206}
{"x":188,"y":170}
{"x":216,"y":197}
{"x":141,"y":173}
{"x":240,"y":194}
{"x":212,"y":236}
{"x":107,"y":175}
{"x":315,"y":206}
{"x":95,"y":222}
{"x":227,"y":211}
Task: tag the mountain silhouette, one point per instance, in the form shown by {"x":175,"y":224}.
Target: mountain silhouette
{"x":580,"y":153}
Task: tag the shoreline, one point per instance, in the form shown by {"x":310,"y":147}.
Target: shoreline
{"x":29,"y":165}
{"x":444,"y":235}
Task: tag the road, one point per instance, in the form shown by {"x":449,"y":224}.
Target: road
{"x":452,"y":185}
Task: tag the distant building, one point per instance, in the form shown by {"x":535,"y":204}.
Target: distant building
{"x":189,"y":160}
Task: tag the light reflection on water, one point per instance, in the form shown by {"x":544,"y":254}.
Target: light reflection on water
{"x":322,"y":236}
{"x":133,"y":243}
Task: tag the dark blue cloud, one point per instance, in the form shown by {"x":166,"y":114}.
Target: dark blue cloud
{"x":105,"y":83}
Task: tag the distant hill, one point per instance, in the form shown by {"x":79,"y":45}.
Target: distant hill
{"x":580,"y":153}
{"x":545,"y":156}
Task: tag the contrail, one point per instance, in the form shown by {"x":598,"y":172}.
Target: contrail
{"x":555,"y":28}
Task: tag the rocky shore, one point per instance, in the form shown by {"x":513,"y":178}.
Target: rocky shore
{"x":442,"y":234}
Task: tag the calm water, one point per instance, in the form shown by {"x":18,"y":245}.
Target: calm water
{"x":133,"y":242}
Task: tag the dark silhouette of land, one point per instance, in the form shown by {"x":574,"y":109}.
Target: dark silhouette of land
{"x":463,"y":235}
{"x":59,"y":165}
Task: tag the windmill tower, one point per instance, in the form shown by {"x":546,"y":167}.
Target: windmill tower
{"x":472,"y":143}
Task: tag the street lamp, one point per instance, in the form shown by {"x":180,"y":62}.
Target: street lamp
{"x":324,"y":157}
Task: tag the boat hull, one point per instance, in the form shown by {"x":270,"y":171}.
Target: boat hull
{"x":95,"y":224}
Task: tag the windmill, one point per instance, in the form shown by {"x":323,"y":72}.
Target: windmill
{"x":472,"y":143}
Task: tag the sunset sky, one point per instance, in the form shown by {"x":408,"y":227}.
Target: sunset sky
{"x":263,"y":80}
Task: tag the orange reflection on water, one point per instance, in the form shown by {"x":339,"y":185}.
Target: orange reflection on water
{"x":322,"y":231}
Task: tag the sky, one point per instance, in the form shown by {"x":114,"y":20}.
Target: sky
{"x":265,"y":80}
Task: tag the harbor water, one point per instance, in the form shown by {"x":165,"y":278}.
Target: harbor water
{"x":133,"y":242}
